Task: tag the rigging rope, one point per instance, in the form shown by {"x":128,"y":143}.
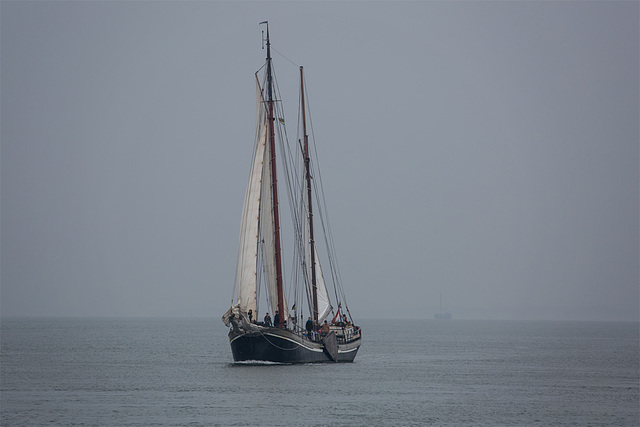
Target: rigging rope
{"x":279,"y":53}
{"x":276,"y":346}
{"x":324,"y":219}
{"x":292,"y":162}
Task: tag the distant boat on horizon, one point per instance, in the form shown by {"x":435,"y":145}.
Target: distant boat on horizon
{"x":442,"y":314}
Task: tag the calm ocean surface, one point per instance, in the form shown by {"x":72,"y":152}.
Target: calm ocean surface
{"x":179,"y":372}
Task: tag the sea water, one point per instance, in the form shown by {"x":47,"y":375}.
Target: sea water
{"x":179,"y":372}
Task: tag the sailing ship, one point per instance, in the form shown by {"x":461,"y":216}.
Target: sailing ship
{"x":442,"y":314}
{"x":311,"y":329}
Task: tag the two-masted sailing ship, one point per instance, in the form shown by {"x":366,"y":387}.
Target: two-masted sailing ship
{"x":273,"y":319}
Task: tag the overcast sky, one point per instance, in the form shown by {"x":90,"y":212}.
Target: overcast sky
{"x":488,"y":151}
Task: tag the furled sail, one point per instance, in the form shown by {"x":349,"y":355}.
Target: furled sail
{"x":246,"y":273}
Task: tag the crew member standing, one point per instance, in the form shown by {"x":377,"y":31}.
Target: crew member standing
{"x":309,"y":327}
{"x":267,"y":320}
{"x":276,"y":319}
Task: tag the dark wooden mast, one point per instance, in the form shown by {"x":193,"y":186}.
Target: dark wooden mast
{"x":307,"y":166}
{"x":274,"y":183}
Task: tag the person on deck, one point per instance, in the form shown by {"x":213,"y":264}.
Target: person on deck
{"x":276,"y":319}
{"x":325,"y":329}
{"x":267,"y":320}
{"x":309,"y":326}
{"x":250,"y":315}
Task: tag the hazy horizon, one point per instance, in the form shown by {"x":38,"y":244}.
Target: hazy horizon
{"x":485,"y":151}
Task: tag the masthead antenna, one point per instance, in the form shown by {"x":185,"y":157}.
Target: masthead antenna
{"x":263,"y":38}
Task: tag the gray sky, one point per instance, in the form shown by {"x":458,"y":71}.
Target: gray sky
{"x":485,"y":150}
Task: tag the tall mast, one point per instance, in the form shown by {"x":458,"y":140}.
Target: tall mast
{"x":307,"y":166}
{"x":274,"y":181}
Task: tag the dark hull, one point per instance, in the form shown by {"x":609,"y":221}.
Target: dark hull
{"x":283,"y":346}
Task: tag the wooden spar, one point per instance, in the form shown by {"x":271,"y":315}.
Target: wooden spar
{"x":274,"y":186}
{"x":307,"y":162}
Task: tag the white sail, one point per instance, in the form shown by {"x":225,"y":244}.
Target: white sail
{"x":324,"y":305}
{"x":246,"y":273}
